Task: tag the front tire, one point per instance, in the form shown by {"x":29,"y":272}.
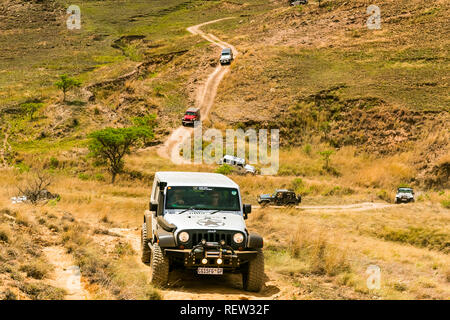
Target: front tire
{"x":253,"y":274}
{"x":160,"y":267}
{"x":145,"y":249}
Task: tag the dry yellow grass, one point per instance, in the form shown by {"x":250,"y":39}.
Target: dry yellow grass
{"x":346,"y":249}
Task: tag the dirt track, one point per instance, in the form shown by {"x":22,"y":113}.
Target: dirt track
{"x":205,"y":98}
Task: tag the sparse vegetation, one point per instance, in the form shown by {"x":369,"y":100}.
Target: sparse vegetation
{"x":110,"y":145}
{"x":66,"y":83}
{"x":30,"y":108}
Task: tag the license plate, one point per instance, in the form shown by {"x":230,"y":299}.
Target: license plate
{"x":214,"y":271}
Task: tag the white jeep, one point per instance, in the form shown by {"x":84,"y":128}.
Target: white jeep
{"x":238,"y":163}
{"x":196,"y":221}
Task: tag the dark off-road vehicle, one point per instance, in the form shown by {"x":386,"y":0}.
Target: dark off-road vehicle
{"x":196,"y":221}
{"x":280,"y":197}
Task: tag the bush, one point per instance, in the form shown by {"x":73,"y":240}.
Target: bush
{"x":83,"y":176}
{"x":297,"y":184}
{"x":53,"y":163}
{"x":225,"y":169}
{"x":5,"y":234}
{"x":99,"y":177}
{"x":307,"y":149}
{"x":41,"y":291}
{"x":320,"y":254}
{"x":384,"y":195}
{"x":446,"y":203}
{"x":37,"y":269}
{"x":419,"y":237}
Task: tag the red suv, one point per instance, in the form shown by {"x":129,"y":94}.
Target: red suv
{"x":191,"y":115}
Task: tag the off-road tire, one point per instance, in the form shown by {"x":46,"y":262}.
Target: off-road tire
{"x":146,"y":253}
{"x":159,"y":274}
{"x":264,"y":203}
{"x":253,"y":273}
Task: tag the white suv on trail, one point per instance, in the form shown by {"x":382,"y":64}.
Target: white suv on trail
{"x":197,"y":221}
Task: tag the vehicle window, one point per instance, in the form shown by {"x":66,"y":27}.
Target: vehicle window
{"x":191,"y":113}
{"x":405,"y":190}
{"x":205,"y":198}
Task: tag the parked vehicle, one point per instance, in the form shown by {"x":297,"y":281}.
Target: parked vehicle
{"x":227,"y":56}
{"x":238,"y":163}
{"x":197,"y":221}
{"x":404,"y":195}
{"x":280,"y":197}
{"x":191,"y":115}
{"x":297,"y":2}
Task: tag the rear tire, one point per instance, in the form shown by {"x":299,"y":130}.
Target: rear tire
{"x":146,"y":253}
{"x":160,"y":267}
{"x":253,"y":274}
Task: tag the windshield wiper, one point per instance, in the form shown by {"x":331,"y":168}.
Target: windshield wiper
{"x":215,"y":211}
{"x":186,"y":210}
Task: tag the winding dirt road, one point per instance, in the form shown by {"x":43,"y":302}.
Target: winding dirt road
{"x":205,"y":98}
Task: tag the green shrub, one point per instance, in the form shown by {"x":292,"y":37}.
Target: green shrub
{"x":297,"y":184}
{"x":83,"y":176}
{"x":54,"y":163}
{"x":99,"y":177}
{"x":224,"y":169}
{"x":446,"y":203}
{"x":307,"y":149}
{"x":419,"y":237}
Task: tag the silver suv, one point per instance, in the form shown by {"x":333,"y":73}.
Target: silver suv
{"x":196,"y":221}
{"x":226,"y":56}
{"x":404,"y":195}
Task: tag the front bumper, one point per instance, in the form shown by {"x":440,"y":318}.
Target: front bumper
{"x":192,"y":258}
{"x":188,"y":122}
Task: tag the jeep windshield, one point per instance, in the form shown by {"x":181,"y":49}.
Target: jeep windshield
{"x":202,"y":198}
{"x":189,"y":113}
{"x":404,"y":190}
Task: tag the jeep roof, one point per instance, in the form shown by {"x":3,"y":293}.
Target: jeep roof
{"x":283,"y":190}
{"x":226,"y":51}
{"x":200,"y":179}
{"x":193,"y":109}
{"x":233,"y":158}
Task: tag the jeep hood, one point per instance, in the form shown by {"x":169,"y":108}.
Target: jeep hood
{"x":404,"y":194}
{"x":203,"y":220}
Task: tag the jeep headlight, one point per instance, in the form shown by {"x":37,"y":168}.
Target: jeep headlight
{"x":238,"y":237}
{"x":183,"y":236}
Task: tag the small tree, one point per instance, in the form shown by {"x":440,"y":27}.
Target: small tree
{"x":326,"y":157}
{"x":30,"y":108}
{"x":110,"y":145}
{"x":66,"y":83}
{"x":147,"y":121}
{"x":35,"y":187}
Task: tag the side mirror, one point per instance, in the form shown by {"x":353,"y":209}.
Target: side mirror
{"x":247,"y":208}
{"x":153,"y":206}
{"x":162,"y":185}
